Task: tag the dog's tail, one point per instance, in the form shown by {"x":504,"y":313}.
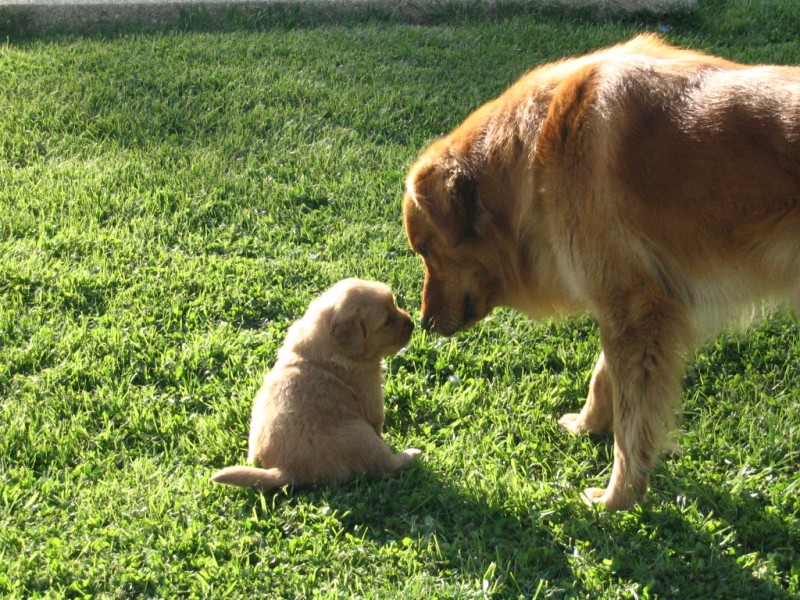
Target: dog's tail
{"x":252,"y":477}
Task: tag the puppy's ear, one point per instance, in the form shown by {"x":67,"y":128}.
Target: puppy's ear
{"x":349,"y":330}
{"x":448,"y":193}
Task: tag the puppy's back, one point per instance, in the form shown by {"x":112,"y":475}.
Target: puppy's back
{"x":300,"y":407}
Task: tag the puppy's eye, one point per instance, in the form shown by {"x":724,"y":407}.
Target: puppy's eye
{"x":388,"y":321}
{"x":422,"y":251}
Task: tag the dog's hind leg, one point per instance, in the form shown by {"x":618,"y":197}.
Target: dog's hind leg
{"x":598,"y":413}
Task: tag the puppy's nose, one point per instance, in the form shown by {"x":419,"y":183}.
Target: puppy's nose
{"x":406,"y":321}
{"x":426,"y":322}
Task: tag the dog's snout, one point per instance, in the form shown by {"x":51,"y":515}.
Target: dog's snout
{"x":426,"y":322}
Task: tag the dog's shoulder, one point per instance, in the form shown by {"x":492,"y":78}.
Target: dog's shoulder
{"x":640,"y":76}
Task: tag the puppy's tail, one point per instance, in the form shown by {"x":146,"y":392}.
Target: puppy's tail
{"x":251,"y":477}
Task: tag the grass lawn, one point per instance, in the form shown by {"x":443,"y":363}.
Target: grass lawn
{"x":169,"y":204}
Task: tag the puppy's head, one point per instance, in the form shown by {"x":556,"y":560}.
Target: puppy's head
{"x":364,"y":320}
{"x":447,"y":225}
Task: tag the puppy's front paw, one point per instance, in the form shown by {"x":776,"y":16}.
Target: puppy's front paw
{"x":410,"y":454}
{"x":401,"y":459}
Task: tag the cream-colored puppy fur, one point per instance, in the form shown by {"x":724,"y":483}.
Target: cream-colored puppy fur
{"x":319,"y":414}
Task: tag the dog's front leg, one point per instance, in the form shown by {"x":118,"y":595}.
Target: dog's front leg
{"x":597,"y":415}
{"x":642,"y":340}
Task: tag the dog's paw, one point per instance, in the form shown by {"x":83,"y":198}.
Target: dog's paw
{"x":573,"y":423}
{"x":577,"y":424}
{"x":607,"y":500}
{"x":592,"y":496}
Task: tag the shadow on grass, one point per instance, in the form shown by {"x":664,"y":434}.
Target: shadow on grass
{"x":709,"y":545}
{"x":463,"y":539}
{"x":695,"y":541}
{"x":460,"y":538}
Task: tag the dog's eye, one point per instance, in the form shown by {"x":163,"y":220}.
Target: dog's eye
{"x":422,"y":251}
{"x":388,"y":321}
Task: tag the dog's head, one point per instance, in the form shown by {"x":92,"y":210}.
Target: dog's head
{"x":448,"y":225}
{"x":364,"y":320}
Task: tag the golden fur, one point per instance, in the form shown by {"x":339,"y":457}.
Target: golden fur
{"x":318,"y":417}
{"x":657,"y":187}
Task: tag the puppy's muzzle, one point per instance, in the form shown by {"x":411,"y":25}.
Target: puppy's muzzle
{"x":408,"y":324}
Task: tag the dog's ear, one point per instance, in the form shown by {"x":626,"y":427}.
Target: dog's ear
{"x":448,"y":193}
{"x":349,"y":330}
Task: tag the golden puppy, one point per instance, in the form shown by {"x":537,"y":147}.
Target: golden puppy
{"x":657,"y":187}
{"x":319,"y":414}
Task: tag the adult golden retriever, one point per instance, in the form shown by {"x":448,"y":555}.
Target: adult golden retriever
{"x":657,"y":187}
{"x":318,"y":417}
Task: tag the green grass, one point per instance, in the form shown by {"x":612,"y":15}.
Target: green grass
{"x":169,"y":203}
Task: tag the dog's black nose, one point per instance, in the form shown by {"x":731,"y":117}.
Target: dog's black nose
{"x":426,"y":322}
